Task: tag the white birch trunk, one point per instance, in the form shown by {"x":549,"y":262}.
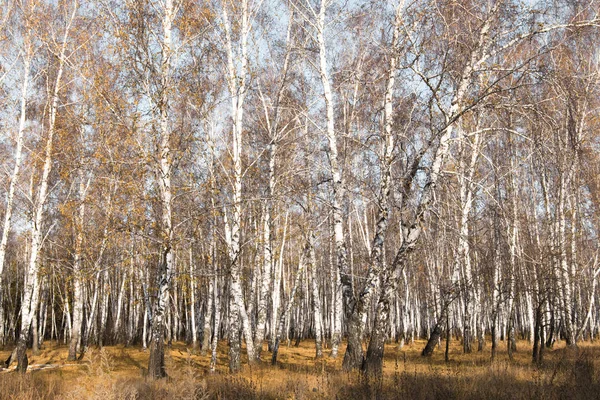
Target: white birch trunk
{"x":10,"y":194}
{"x":564,"y":270}
{"x":316,"y":298}
{"x":354,"y":354}
{"x":277,"y":275}
{"x":32,"y":286}
{"x":336,"y":173}
{"x":78,"y":271}
{"x":465,"y":179}
{"x":272,"y":127}
{"x":120,"y":297}
{"x":192,"y":306}
{"x":217,"y":323}
{"x":91,"y":318}
{"x":496,"y":294}
{"x":237,"y":89}
{"x":265,"y":287}
{"x":479,"y":55}
{"x":156,"y":363}
{"x":14,"y":178}
{"x":288,"y":308}
{"x":104,"y":307}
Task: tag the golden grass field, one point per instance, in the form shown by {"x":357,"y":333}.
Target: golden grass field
{"x":117,"y":372}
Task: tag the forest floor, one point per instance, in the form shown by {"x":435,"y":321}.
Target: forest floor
{"x":117,"y":372}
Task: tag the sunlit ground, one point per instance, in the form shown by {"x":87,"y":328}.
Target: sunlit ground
{"x":119,"y":372}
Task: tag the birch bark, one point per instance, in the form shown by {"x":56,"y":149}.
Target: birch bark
{"x":78,"y":270}
{"x":272,"y":120}
{"x":192,"y":306}
{"x":336,"y":174}
{"x":478,"y":56}
{"x":353,"y":357}
{"x":32,"y":285}
{"x":156,"y":363}
{"x":288,"y":308}
{"x":14,"y":178}
{"x":316,"y":298}
{"x":237,"y":84}
{"x":465,"y":178}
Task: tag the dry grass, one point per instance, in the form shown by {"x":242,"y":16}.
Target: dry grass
{"x":117,"y":373}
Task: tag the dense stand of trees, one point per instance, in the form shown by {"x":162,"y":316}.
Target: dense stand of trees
{"x":281,"y":170}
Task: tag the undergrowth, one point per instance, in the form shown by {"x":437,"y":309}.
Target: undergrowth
{"x":570,"y":374}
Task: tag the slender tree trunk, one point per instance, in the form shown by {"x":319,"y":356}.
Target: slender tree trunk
{"x":337,"y":180}
{"x":479,"y":55}
{"x":192,"y":307}
{"x":98,"y":292}
{"x":120,"y":298}
{"x":564,"y":274}
{"x":265,"y":287}
{"x":31,"y":290}
{"x":353,"y":357}
{"x":466,"y":174}
{"x":337,"y":307}
{"x":277,"y":277}
{"x":373,"y":362}
{"x":132,"y":300}
{"x":538,"y":343}
{"x":156,"y":363}
{"x":437,"y":330}
{"x":35,"y":340}
{"x":77,"y":272}
{"x":316,"y":298}
{"x":238,"y":319}
{"x":214,"y":266}
{"x":104,"y":308}
{"x":287,"y":309}
{"x":14,"y":178}
{"x":217,"y":322}
{"x":272,"y":122}
{"x":448,"y":337}
{"x":496,"y":292}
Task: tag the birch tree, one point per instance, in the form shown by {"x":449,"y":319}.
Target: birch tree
{"x":32,"y":286}
{"x":237,"y":75}
{"x":156,"y":363}
{"x":273,"y":118}
{"x":26,"y":56}
{"x":354,"y":352}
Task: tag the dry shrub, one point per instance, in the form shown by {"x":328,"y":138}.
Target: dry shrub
{"x":568,"y":374}
{"x":32,"y":386}
{"x":103,"y":384}
{"x":101,"y":362}
{"x":575,"y":379}
{"x":228,"y":387}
